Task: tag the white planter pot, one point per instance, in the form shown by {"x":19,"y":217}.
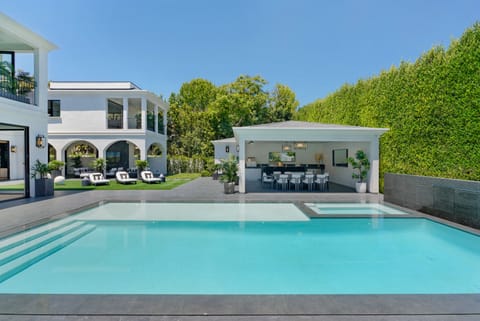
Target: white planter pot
{"x":361,"y":187}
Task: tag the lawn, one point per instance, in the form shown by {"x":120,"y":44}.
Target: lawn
{"x":76,"y":184}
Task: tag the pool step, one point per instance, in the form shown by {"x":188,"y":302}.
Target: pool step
{"x":28,"y":235}
{"x":37,"y":242}
{"x":20,"y":263}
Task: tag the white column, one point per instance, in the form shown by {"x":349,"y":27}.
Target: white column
{"x":41,"y":125}
{"x":125,"y":113}
{"x":41,"y":78}
{"x":373,"y":156}
{"x":144,"y":114}
{"x":241,"y":166}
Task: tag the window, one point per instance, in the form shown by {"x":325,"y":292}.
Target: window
{"x":340,"y":157}
{"x":134,"y":113}
{"x":115,"y":113}
{"x":54,"y":108}
{"x":150,"y":116}
{"x":161,"y":127}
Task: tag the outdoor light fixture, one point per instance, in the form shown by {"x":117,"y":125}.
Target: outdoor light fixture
{"x":300,"y":145}
{"x":286,"y":147}
{"x":238,"y":148}
{"x":13,"y":149}
{"x":40,"y":141}
{"x":227,"y":149}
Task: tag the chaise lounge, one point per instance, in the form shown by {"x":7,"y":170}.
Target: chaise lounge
{"x":122,"y":177}
{"x":98,"y":179}
{"x":147,"y":177}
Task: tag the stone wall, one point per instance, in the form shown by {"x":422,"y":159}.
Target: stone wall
{"x":451,"y":199}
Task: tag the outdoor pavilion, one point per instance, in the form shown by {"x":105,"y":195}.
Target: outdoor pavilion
{"x":313,"y":144}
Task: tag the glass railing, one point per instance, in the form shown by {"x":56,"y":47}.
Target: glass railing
{"x":18,"y":89}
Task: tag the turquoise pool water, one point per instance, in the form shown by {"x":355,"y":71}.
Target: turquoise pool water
{"x":353,"y":209}
{"x":320,"y":256}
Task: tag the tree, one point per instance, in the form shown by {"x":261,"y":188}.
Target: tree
{"x":282,"y":104}
{"x":240,"y":103}
{"x":189,"y":126}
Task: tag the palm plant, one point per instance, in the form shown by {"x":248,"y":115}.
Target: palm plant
{"x":99,"y":164}
{"x":229,"y":169}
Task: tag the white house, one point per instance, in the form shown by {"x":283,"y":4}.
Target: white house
{"x":116,"y":121}
{"x":296,"y":145}
{"x":23,"y":103}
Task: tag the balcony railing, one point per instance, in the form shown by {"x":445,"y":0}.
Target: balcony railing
{"x":19,"y":89}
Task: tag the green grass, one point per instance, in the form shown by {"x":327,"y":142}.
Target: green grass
{"x":76,"y":184}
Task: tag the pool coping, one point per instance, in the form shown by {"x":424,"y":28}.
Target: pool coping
{"x":238,"y":305}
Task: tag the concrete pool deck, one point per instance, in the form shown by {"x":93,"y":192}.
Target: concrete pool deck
{"x":19,"y":214}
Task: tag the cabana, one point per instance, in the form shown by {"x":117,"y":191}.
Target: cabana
{"x":303,"y":146}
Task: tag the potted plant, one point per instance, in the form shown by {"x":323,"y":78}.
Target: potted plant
{"x":43,"y":184}
{"x":141,"y":166}
{"x":55,"y":167}
{"x":229,"y":175}
{"x":361,"y":166}
{"x":99,"y":165}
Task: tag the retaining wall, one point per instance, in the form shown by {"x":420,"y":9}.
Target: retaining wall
{"x":451,"y":199}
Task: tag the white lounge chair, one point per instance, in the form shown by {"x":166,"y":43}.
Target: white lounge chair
{"x":98,"y":179}
{"x":147,"y":177}
{"x":122,"y":177}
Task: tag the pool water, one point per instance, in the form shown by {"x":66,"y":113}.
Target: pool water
{"x":353,"y":209}
{"x":319,"y":256}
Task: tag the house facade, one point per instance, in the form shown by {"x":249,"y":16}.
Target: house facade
{"x":23,"y":103}
{"x":116,"y":121}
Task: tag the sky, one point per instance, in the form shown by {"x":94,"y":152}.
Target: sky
{"x":312,"y":46}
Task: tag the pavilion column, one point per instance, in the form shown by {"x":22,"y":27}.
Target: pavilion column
{"x":374,"y":173}
{"x":241,"y":166}
{"x":125,"y":113}
{"x":144,"y":114}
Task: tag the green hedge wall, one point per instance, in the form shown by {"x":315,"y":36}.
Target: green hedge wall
{"x":432,"y":107}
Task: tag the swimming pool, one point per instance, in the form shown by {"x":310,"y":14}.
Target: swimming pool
{"x":318,"y":256}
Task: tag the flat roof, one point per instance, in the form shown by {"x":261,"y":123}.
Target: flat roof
{"x":93,"y":85}
{"x":15,"y":37}
{"x":225,"y":140}
{"x":294,"y":124}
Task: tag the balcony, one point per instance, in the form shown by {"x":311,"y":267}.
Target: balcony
{"x":20,"y":85}
{"x":19,"y":89}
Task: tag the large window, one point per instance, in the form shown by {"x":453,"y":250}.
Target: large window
{"x":150,"y":116}
{"x":54,"y":108}
{"x":134,"y":113}
{"x":115,"y":113}
{"x":161,"y":127}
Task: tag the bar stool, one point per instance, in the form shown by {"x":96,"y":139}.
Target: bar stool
{"x":297,"y":180}
{"x":309,"y":178}
{"x":283,"y":180}
{"x":321,"y":182}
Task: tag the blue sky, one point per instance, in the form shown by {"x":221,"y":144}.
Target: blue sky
{"x":311,"y":46}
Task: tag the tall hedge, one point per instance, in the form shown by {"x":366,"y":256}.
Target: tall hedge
{"x":432,"y":107}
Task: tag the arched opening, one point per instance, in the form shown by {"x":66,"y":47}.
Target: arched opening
{"x":122,"y":154}
{"x":155,"y":150}
{"x":52,"y":153}
{"x":78,"y":158}
{"x":155,"y":157}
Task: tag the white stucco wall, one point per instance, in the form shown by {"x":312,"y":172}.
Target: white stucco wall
{"x":83,"y":117}
{"x":220,"y":150}
{"x":33,"y":117}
